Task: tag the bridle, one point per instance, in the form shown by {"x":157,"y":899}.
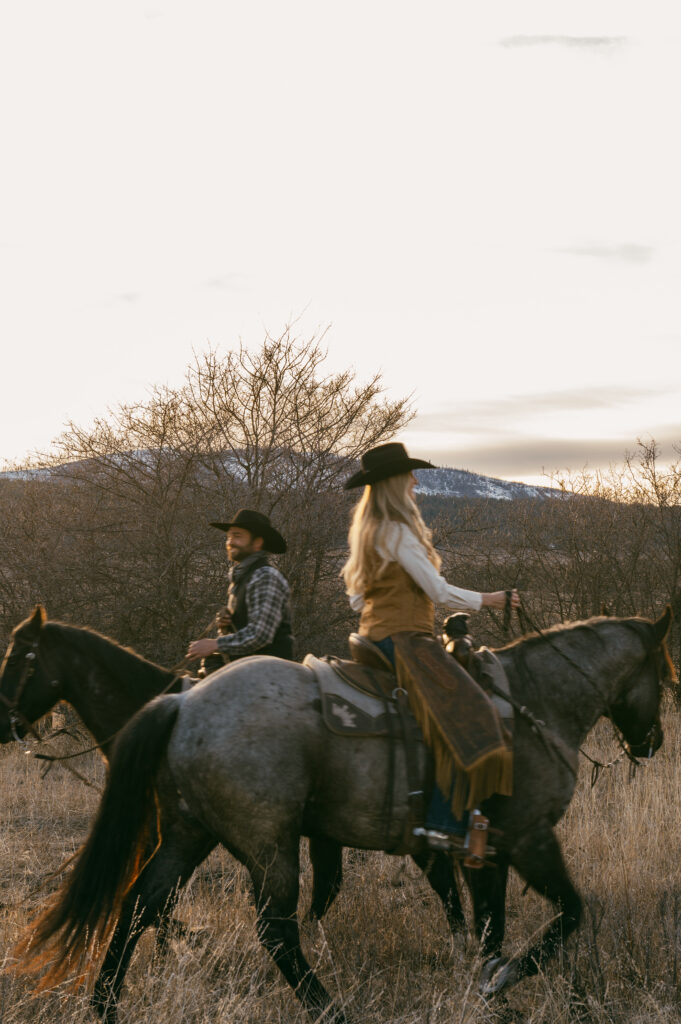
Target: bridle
{"x":17,"y":717}
{"x":652,"y":657}
{"x":14,"y":713}
{"x":625,"y":749}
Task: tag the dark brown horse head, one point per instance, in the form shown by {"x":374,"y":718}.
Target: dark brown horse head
{"x":27,"y":691}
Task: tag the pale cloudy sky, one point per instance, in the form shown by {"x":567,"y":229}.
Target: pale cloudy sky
{"x":482,"y":199}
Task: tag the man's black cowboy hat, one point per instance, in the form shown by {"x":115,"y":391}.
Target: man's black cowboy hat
{"x":383,"y":462}
{"x":258,"y":525}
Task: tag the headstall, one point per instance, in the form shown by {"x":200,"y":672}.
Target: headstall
{"x":14,"y":712}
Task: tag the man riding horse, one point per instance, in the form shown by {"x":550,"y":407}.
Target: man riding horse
{"x":258,"y":619}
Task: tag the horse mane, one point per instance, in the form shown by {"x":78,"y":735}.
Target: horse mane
{"x":643,"y":627}
{"x":533,"y":639}
{"x":136,"y":674}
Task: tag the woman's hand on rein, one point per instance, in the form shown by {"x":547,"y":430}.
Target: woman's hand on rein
{"x":497,"y":599}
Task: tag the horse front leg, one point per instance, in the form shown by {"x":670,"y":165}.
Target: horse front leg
{"x":538,"y":859}
{"x":438,"y":867}
{"x":487,"y":887}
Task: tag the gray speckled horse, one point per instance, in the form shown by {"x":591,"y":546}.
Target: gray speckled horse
{"x":244,"y":760}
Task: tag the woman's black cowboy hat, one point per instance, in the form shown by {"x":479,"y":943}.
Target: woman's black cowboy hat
{"x":383,"y":462}
{"x":258,"y":525}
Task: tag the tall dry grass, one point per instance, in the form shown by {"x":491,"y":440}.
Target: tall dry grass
{"x":384,"y":949}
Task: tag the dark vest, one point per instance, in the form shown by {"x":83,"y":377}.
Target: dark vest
{"x":282,"y":644}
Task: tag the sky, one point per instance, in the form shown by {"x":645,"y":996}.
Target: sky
{"x":479,"y":200}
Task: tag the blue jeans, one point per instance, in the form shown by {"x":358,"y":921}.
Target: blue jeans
{"x":387,"y":647}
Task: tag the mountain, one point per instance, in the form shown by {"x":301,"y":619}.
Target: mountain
{"x":460,"y":483}
{"x":445,"y":482}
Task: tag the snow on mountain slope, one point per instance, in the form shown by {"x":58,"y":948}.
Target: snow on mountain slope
{"x":460,"y":483}
{"x":443,"y":482}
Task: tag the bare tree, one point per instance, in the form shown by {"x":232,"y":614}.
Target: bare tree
{"x":135,"y":492}
{"x":283,"y":423}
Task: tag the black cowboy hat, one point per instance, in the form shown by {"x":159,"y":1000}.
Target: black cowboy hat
{"x":383,"y":462}
{"x":258,"y":525}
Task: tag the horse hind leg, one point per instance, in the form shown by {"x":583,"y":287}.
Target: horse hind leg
{"x":539,"y":861}
{"x":276,"y":885}
{"x":150,"y":902}
{"x":326,"y":858}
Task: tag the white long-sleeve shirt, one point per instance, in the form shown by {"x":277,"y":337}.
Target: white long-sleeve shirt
{"x":402,"y":546}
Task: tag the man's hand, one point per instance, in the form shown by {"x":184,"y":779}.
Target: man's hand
{"x":202,"y":648}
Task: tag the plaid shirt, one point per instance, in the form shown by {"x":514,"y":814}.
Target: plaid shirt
{"x":267,"y":604}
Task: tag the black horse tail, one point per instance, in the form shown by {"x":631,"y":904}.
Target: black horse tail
{"x":79,"y":922}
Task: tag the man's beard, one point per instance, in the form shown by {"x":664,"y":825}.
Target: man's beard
{"x":239,"y":554}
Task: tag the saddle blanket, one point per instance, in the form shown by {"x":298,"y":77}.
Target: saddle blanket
{"x":357,"y":700}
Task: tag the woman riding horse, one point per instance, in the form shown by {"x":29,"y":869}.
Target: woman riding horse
{"x":392,"y":578}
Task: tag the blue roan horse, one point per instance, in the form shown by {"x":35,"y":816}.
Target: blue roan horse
{"x":244,"y":759}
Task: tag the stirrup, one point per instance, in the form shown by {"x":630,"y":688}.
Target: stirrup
{"x":476,"y":840}
{"x":447,"y":841}
{"x":472,"y":848}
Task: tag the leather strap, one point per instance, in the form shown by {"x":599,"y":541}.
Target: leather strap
{"x":415,"y":793}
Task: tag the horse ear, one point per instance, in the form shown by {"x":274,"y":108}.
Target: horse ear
{"x":39,"y":617}
{"x":661,"y":627}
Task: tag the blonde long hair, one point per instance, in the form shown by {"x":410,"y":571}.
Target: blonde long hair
{"x":382,"y":503}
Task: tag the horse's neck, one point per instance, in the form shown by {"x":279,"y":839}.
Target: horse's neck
{"x":106,"y":684}
{"x":568,"y":696}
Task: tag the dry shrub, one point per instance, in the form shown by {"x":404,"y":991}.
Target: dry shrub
{"x":383,"y":949}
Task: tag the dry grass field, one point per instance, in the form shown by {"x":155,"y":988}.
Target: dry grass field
{"x":384,"y":948}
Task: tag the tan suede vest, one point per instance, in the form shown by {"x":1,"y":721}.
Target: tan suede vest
{"x":393,"y":604}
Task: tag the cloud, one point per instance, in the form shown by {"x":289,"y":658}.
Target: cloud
{"x":627,"y":253}
{"x":226,"y":282}
{"x":522,"y":457}
{"x":487,"y":416}
{"x":579,"y":42}
{"x":503,"y":437}
{"x":532,"y":456}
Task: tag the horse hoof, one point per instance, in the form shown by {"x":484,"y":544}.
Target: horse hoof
{"x":496,"y":975}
